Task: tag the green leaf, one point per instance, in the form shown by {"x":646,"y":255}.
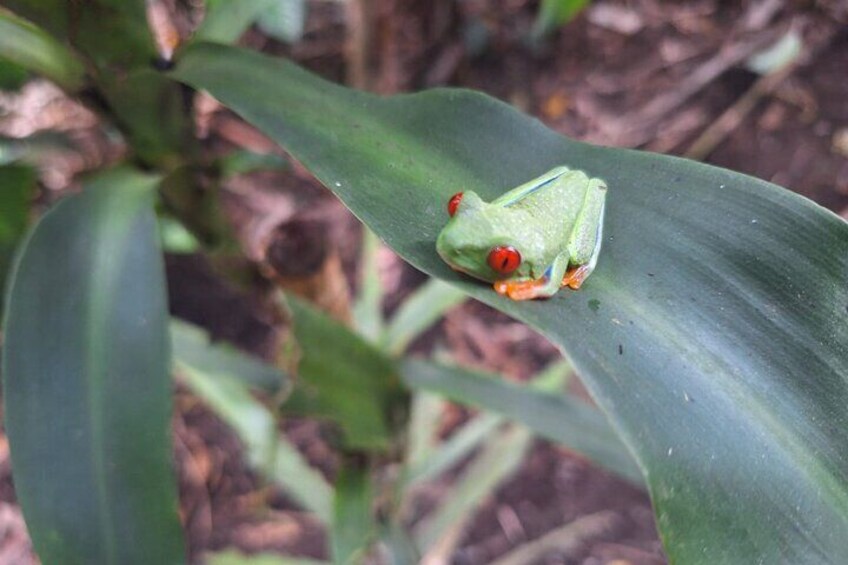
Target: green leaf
{"x":231,"y":400}
{"x":37,"y":149}
{"x":470,"y":435}
{"x":354,"y":528}
{"x":499,"y":459}
{"x":268,"y":452}
{"x":556,"y":417}
{"x":343,"y":378}
{"x":87,"y":390}
{"x":424,"y":414}
{"x":114,"y":40}
{"x":12,"y":76}
{"x":226,"y":20}
{"x":368,"y":308}
{"x":554,"y":13}
{"x":33,"y":49}
{"x":151,"y":112}
{"x":17,"y":184}
{"x":306,"y":484}
{"x":284,"y":20}
{"x":244,"y":161}
{"x":399,"y":547}
{"x":108,"y":33}
{"x":777,"y":56}
{"x":713,"y":332}
{"x":221,"y":377}
{"x":419,"y":312}
{"x":193,"y":348}
{"x":451,"y":452}
{"x":233,"y":557}
{"x":176,"y":238}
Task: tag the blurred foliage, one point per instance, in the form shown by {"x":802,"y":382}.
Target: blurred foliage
{"x":554,"y":13}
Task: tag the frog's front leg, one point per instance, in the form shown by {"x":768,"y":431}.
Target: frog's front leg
{"x":543,"y":287}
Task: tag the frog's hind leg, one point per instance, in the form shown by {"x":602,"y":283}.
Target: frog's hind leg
{"x":584,"y":244}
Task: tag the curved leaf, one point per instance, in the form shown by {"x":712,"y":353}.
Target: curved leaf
{"x":713,"y":332}
{"x":87,"y":389}
{"x":35,"y":50}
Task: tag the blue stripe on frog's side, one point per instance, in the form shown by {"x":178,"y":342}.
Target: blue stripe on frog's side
{"x":531,"y":191}
{"x":521,"y":192}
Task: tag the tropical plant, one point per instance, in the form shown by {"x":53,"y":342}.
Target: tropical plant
{"x":712,"y":334}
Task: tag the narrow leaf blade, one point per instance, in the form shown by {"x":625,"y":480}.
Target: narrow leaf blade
{"x":556,"y":417}
{"x":193,"y":348}
{"x":499,"y":459}
{"x":354,"y":528}
{"x":419,"y":312}
{"x":17,"y":184}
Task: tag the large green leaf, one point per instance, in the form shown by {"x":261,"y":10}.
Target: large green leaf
{"x":87,"y":390}
{"x":713,"y":332}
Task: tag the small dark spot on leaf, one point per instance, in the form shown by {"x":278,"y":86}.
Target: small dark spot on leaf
{"x":620,"y":349}
{"x":594,"y":304}
{"x":650,"y":274}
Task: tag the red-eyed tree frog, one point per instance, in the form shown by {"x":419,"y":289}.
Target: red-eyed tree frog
{"x":531,"y":241}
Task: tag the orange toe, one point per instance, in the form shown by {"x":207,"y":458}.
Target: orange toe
{"x":574,"y":277}
{"x":520,"y":290}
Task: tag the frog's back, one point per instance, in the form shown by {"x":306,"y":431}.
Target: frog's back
{"x":555,"y":205}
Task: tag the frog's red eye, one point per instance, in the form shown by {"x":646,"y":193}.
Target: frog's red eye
{"x":504,"y":259}
{"x":453,"y":203}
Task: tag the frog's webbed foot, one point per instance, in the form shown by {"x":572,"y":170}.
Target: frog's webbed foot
{"x":574,"y":277}
{"x":524,"y":290}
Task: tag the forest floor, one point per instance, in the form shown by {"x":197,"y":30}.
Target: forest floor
{"x":662,"y":76}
